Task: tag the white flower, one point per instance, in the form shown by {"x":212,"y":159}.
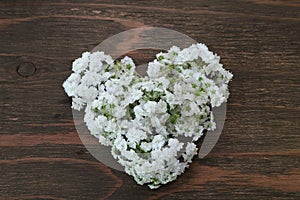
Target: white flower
{"x":77,"y":103}
{"x":174,"y":50}
{"x":156,"y":154}
{"x":147,"y":85}
{"x":120,"y":113}
{"x":88,"y":94}
{"x":161,"y":107}
{"x":74,"y":78}
{"x":135,"y":94}
{"x":96,"y":60}
{"x":113,"y":87}
{"x":150,"y":107}
{"x":171,"y":98}
{"x":135,"y":135}
{"x":163,"y":81}
{"x":143,"y":119}
{"x":156,"y":123}
{"x":70,"y":88}
{"x":175,"y":144}
{"x":191,"y":150}
{"x":91,"y":78}
{"x":146,"y":146}
{"x":80,"y":64}
{"x":139,"y":112}
{"x":120,"y":144}
{"x":158,"y":142}
{"x":154,"y":69}
{"x":129,"y":64}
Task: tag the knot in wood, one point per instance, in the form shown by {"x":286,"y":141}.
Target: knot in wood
{"x":26,"y":69}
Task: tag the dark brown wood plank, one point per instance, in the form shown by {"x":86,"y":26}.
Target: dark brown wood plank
{"x":257,"y":156}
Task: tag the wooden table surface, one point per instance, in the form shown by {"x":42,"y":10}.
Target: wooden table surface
{"x":257,"y":156}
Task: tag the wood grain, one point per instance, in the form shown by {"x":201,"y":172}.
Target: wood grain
{"x":257,"y":156}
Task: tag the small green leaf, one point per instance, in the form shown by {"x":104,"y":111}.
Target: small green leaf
{"x":207,"y":85}
{"x":128,"y":66}
{"x":160,"y":57}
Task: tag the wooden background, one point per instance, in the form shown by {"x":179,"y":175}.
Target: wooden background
{"x":257,"y":156}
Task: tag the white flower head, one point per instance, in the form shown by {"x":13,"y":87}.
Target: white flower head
{"x":143,"y":119}
{"x":81,"y":64}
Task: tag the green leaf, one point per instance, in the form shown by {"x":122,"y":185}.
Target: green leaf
{"x":128,"y":66}
{"x":160,"y":57}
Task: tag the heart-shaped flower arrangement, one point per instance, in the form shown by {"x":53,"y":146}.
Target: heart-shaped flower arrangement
{"x":143,"y":118}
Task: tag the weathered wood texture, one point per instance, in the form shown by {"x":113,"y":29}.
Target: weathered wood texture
{"x":257,"y":156}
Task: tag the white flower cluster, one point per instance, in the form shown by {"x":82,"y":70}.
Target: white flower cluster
{"x":142,"y":118}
